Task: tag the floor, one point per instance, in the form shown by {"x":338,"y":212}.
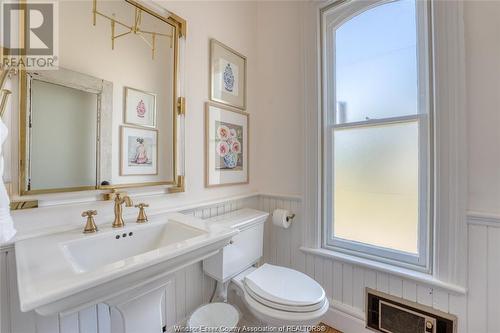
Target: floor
{"x":329,"y":329}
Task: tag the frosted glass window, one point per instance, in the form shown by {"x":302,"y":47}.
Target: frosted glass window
{"x":376,"y":185}
{"x":376,"y":64}
{"x":376,"y":131}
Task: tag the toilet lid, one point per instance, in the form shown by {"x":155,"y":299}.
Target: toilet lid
{"x":283,"y":307}
{"x":284,"y":286}
{"x":221,"y":315}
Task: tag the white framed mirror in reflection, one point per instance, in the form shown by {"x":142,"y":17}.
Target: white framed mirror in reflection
{"x":107,"y":117}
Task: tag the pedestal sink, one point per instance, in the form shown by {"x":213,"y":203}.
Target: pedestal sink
{"x":126,"y":268}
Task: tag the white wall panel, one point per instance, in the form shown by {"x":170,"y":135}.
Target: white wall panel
{"x":478,"y":271}
{"x":493,"y":278}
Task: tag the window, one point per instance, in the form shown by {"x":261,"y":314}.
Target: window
{"x":376,"y":131}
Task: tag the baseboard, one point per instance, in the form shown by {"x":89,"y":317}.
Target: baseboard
{"x":345,"y":318}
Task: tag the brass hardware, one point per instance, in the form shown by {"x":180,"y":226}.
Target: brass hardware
{"x":120,"y":199}
{"x":18,"y":205}
{"x":172,"y":19}
{"x":90,"y":226}
{"x":3,"y":103}
{"x":110,"y":196}
{"x":132,"y":29}
{"x":142,"y":217}
{"x":179,"y":187}
{"x":4,"y":74}
{"x":181,"y":106}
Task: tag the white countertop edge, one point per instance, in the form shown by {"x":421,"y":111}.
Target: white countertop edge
{"x":189,"y":206}
{"x":387,"y":268}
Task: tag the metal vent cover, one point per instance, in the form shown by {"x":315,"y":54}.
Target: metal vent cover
{"x":389,"y":314}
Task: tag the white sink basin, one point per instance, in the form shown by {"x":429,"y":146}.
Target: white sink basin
{"x":68,"y":271}
{"x":89,"y":253}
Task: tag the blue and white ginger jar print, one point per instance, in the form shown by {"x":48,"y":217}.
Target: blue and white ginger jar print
{"x":228,"y":78}
{"x":230,"y":160}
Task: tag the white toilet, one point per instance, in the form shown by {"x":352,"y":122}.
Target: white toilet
{"x":275,"y":295}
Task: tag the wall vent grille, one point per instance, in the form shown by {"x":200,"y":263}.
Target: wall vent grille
{"x":389,"y":314}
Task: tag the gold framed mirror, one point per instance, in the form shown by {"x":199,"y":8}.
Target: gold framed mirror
{"x":108,"y":117}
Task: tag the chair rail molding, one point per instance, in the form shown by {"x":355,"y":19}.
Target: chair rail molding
{"x":449,"y":230}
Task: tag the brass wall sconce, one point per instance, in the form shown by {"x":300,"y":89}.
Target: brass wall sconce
{"x":5,"y":73}
{"x":3,"y":102}
{"x":135,"y":28}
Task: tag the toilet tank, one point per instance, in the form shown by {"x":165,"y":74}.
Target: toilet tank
{"x":245,"y":248}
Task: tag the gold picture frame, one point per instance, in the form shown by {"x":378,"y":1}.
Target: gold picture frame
{"x":234,"y":171}
{"x":128,"y":91}
{"x":228,"y":86}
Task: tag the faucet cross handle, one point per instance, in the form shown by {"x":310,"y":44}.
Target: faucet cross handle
{"x":142,"y":217}
{"x":89,"y":213}
{"x":90,"y":226}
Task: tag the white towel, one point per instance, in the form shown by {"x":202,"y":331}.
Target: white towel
{"x":7,"y":230}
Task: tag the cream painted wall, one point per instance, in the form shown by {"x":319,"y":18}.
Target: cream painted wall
{"x":280,"y":90}
{"x":234,"y":24}
{"x":482,"y":28}
{"x":281,"y":113}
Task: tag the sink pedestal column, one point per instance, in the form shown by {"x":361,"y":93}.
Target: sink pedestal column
{"x":139,"y":314}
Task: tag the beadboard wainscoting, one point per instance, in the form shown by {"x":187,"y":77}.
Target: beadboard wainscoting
{"x":188,"y":288}
{"x":484,"y":273}
{"x":344,"y":282}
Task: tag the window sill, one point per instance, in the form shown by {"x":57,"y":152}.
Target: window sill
{"x":386,"y":268}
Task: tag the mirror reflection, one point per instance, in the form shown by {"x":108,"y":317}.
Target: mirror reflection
{"x":113,"y":97}
{"x":63,"y":153}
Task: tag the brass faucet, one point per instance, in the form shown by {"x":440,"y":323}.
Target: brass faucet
{"x":120,"y":198}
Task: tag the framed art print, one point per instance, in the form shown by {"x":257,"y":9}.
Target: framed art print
{"x":140,"y":107}
{"x":226,"y":146}
{"x":138,"y":151}
{"x":227,"y":75}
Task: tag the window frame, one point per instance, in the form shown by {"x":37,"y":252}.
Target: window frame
{"x":332,"y":17}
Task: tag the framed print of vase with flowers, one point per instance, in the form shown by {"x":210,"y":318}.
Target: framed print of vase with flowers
{"x":226,"y":146}
{"x":140,"y":107}
{"x":227,"y":75}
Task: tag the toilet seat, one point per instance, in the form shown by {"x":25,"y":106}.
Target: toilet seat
{"x":285,"y":288}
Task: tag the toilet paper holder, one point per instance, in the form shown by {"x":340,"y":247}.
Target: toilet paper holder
{"x":288,"y":217}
